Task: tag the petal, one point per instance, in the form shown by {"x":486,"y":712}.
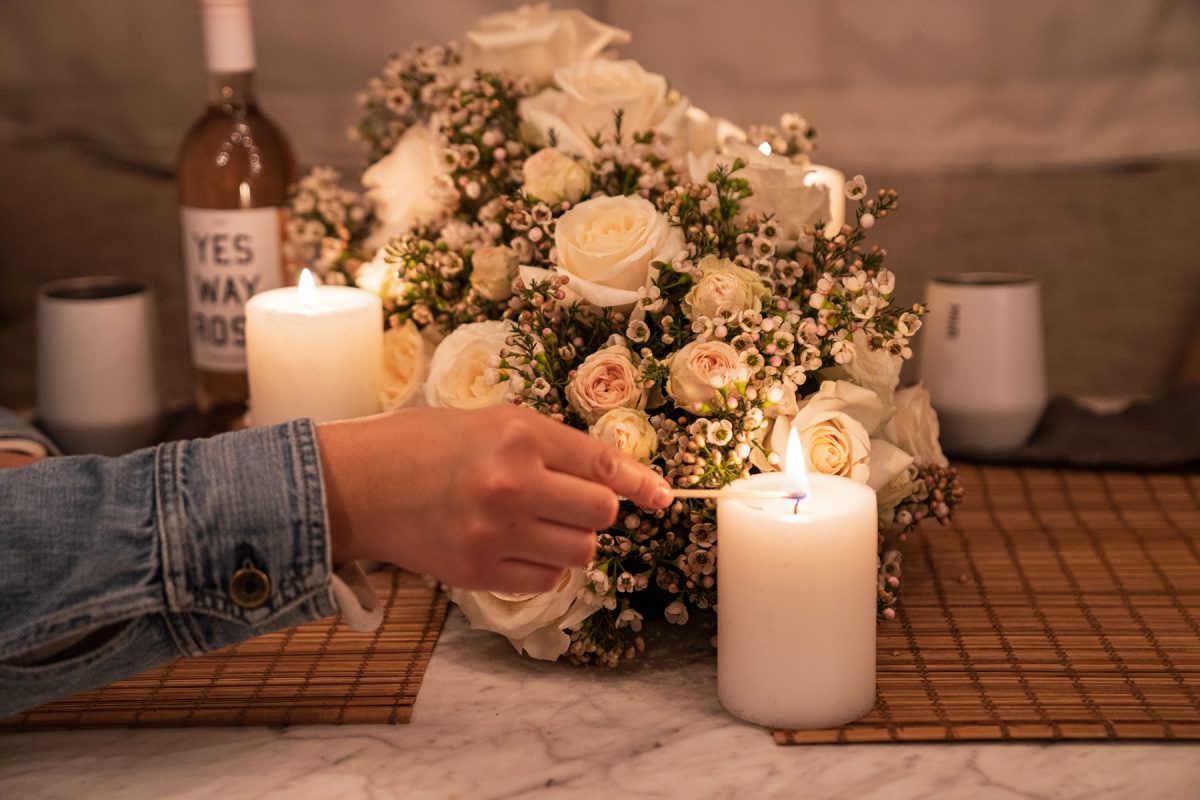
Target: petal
{"x":546,"y":644}
{"x":602,"y":296}
{"x":887,"y":461}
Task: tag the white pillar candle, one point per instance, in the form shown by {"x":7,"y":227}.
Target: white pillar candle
{"x":796,"y":601}
{"x":313,"y":351}
{"x":836,"y":183}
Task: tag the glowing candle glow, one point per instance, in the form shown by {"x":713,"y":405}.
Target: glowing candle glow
{"x":836,"y":183}
{"x":313,"y":351}
{"x":796,"y":599}
{"x":830,"y":178}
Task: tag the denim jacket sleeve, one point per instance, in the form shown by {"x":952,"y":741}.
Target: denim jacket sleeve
{"x":135,"y":554}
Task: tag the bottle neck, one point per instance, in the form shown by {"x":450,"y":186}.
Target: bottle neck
{"x":231,"y":89}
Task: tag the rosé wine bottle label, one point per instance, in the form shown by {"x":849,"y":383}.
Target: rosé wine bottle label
{"x":230,"y":255}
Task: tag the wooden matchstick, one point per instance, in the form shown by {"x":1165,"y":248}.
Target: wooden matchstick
{"x":733,"y":494}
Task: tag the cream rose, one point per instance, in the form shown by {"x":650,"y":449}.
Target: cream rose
{"x":697,"y":369}
{"x":703,"y":132}
{"x":914,"y":427}
{"x":403,"y":185}
{"x":606,"y":246}
{"x":461,"y":374}
{"x":553,"y":177}
{"x":380,"y":277}
{"x":534,"y":41}
{"x":791,"y":192}
{"x":832,"y":429}
{"x":405,"y":365}
{"x":834,"y":426}
{"x":586,"y":97}
{"x":493,"y":268}
{"x":377,"y":275}
{"x":893,"y":493}
{"x":877,"y":370}
{"x":535,"y":624}
{"x":606,"y":379}
{"x":629,"y":430}
{"x":724,"y":288}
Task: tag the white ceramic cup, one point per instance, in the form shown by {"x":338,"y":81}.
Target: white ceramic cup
{"x":983,"y":360}
{"x":96,"y":385}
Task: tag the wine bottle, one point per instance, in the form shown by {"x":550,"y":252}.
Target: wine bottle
{"x":234,"y":169}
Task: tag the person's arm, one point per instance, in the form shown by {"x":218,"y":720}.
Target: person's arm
{"x":131,"y":559}
{"x":113,"y":565}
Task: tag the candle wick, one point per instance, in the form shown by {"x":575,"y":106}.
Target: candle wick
{"x":797,"y":498}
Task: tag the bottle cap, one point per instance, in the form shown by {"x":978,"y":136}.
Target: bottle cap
{"x":228,"y":36}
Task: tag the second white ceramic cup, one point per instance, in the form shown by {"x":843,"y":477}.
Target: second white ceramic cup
{"x":983,"y":360}
{"x":96,"y":385}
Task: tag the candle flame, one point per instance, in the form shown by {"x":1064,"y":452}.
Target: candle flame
{"x":308,"y":290}
{"x":765,"y":148}
{"x":795,"y":470}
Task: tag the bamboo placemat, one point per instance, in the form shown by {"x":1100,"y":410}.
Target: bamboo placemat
{"x":321,"y":673}
{"x":1059,"y":605}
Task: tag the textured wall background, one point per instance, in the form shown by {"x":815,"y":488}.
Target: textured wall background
{"x":1061,"y":140}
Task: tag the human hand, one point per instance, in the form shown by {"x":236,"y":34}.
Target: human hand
{"x":12,"y":459}
{"x":501,"y":498}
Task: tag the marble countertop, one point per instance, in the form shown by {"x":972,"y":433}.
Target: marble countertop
{"x":489,"y":724}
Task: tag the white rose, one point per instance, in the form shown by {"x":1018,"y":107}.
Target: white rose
{"x":834,"y":426}
{"x":377,"y":276}
{"x":493,"y":268}
{"x":374,"y":275}
{"x":553,"y":177}
{"x":703,"y":132}
{"x":697,"y":369}
{"x":793,"y":193}
{"x":889,"y":464}
{"x":629,"y":430}
{"x":724,"y":287}
{"x":405,"y":365}
{"x":587,"y":97}
{"x":533,"y":623}
{"x":877,"y":370}
{"x":533,"y":41}
{"x":606,"y":379}
{"x":402,"y":185}
{"x":462,"y":374}
{"x":898,"y":489}
{"x":914,"y":426}
{"x":606,"y":246}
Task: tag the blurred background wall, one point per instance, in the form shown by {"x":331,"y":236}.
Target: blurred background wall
{"x":1057,"y":139}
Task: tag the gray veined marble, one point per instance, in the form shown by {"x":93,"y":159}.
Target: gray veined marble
{"x":490,"y":724}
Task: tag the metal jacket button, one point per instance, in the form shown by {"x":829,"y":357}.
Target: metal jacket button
{"x":250,"y":586}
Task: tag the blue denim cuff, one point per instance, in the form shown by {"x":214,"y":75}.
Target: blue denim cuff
{"x":252,"y":499}
{"x":142,"y":548}
{"x":88,"y":542}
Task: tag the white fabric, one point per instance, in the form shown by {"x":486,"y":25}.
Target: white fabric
{"x":919,"y":84}
{"x":355,"y":599}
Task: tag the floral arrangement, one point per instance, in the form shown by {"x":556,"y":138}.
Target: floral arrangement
{"x":551,"y":226}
